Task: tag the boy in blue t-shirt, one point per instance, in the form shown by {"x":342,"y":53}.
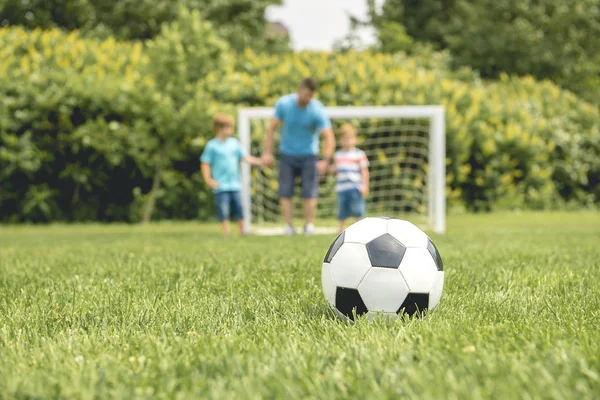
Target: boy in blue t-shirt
{"x":221,"y":171}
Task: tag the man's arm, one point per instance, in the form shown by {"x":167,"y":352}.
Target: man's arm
{"x":328,"y":149}
{"x":206,"y":174}
{"x":329,"y":146}
{"x":267,"y":157}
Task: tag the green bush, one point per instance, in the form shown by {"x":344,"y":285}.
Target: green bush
{"x":82,"y":124}
{"x":510,"y":143}
{"x":85,"y":124}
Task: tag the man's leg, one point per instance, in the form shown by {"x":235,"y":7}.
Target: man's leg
{"x":308,"y":209}
{"x":310,"y":191}
{"x":287,"y":209}
{"x":286,"y":191}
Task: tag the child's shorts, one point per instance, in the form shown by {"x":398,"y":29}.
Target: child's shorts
{"x":229,"y":204}
{"x":350,"y":204}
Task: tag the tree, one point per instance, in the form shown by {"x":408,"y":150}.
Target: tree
{"x":393,"y":38}
{"x":391,"y":35}
{"x":550,"y":39}
{"x":241,"y":22}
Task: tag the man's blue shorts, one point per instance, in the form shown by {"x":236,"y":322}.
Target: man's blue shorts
{"x":292,"y":167}
{"x":229,"y":204}
{"x":350,"y":204}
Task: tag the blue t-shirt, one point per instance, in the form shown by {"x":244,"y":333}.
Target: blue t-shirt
{"x":301,"y":126}
{"x":224,"y":157}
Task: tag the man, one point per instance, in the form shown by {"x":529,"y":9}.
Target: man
{"x":304,"y":120}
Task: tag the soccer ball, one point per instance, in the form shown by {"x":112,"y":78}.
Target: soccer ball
{"x":382,"y":266}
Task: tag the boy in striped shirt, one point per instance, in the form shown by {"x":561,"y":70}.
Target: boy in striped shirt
{"x":352,"y":175}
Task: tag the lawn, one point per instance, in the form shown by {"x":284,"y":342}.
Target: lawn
{"x":172,"y":310}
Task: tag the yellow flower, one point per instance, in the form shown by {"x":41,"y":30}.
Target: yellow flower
{"x":469,"y":349}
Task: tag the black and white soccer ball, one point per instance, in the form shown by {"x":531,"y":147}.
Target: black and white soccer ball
{"x":382,"y":266}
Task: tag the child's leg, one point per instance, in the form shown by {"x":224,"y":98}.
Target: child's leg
{"x":225,"y":225}
{"x":343,"y":208}
{"x":358,"y":205}
{"x":222,"y":203}
{"x":237,"y":211}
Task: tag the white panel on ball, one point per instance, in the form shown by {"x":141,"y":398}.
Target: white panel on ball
{"x":383,"y":289}
{"x":436,"y":291}
{"x":371,"y":315}
{"x":341,"y":316}
{"x":365,"y":230}
{"x":407,"y":233}
{"x":418,"y":269}
{"x":328,"y":284}
{"x":350,"y":264}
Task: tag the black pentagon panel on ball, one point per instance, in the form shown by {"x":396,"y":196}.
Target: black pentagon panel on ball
{"x":347,"y":300}
{"x":385,"y":251}
{"x":436,"y":255}
{"x":414,"y":302}
{"x":335,"y":246}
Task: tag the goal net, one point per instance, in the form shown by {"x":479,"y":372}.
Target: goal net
{"x":405,"y":146}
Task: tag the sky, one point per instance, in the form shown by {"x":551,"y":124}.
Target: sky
{"x":317,"y":24}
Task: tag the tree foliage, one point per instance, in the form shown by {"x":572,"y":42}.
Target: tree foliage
{"x":240,"y":22}
{"x":551,"y":39}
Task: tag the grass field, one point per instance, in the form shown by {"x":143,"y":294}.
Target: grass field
{"x":174,"y":311}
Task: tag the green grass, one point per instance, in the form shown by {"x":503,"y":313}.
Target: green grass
{"x":174,"y":311}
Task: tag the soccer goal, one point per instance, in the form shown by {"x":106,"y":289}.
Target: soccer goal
{"x":407,"y":154}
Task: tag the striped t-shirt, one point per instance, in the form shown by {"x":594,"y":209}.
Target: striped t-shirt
{"x":348,"y":165}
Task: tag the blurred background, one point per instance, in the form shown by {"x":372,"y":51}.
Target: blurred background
{"x":105,"y":106}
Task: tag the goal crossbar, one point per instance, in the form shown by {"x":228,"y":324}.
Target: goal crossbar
{"x":437,"y":149}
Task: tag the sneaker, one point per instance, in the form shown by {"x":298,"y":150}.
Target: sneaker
{"x":289,"y":230}
{"x":309,"y":229}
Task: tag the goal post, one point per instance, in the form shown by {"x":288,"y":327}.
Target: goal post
{"x":405,"y":146}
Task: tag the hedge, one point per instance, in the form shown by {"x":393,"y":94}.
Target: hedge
{"x":511,"y":143}
{"x":82,"y":123}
